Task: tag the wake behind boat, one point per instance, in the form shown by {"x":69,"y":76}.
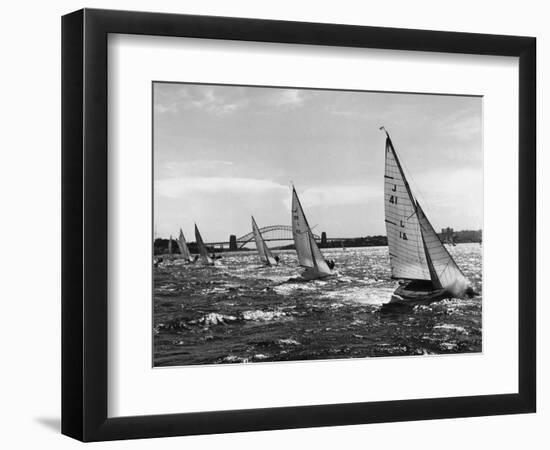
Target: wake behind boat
{"x":266,"y":256}
{"x":309,"y":255}
{"x":426,"y":269}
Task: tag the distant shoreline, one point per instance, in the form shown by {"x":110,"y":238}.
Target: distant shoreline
{"x":459,"y":237}
{"x":253,"y":251}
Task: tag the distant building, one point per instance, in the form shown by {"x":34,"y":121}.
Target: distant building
{"x":449,"y":235}
{"x":232,"y":242}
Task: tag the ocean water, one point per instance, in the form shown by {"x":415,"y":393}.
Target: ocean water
{"x":239,"y":311}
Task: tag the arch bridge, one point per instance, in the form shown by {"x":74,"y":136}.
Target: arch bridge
{"x":270,"y":233}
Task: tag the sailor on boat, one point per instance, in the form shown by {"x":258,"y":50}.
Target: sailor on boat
{"x":425,"y":267}
{"x":309,"y":255}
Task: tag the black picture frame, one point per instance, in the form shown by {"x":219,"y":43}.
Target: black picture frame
{"x":84,"y":224}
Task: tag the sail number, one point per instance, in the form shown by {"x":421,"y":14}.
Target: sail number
{"x":403,"y":235}
{"x":393,"y":199}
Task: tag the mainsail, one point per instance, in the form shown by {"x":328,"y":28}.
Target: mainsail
{"x":184,"y":250}
{"x":407,"y":256}
{"x":416,"y":252}
{"x":263,"y":250}
{"x":203,"y":252}
{"x":309,"y":254}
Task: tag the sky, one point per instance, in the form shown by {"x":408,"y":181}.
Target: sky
{"x":224,"y":153}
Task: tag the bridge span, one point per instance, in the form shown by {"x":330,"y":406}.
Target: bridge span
{"x":270,"y":233}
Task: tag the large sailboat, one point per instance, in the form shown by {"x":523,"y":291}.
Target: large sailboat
{"x":426,"y":269}
{"x":203,"y":251}
{"x":263,"y":250}
{"x":184,"y":250}
{"x":309,"y":255}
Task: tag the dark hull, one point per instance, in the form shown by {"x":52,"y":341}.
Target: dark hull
{"x":417,"y":293}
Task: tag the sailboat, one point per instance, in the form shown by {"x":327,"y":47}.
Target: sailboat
{"x":263,"y":250}
{"x":426,"y":269}
{"x":309,"y":254}
{"x":184,"y":250}
{"x":203,"y":251}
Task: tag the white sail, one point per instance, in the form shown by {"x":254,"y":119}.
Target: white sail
{"x":407,"y":256}
{"x":203,"y":251}
{"x":449,"y":275}
{"x":170,"y":245}
{"x":184,"y":250}
{"x":263,"y":250}
{"x":416,"y":251}
{"x":309,"y":254}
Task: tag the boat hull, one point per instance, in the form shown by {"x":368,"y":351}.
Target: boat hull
{"x":418,"y":293}
{"x":309,"y":275}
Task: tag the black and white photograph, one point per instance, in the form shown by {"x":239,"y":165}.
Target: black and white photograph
{"x":296,"y":224}
{"x":275,"y":225}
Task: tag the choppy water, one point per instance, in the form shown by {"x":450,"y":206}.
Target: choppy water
{"x":239,"y":311}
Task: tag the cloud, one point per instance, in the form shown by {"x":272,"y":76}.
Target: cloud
{"x":287,"y":97}
{"x":193,"y":168}
{"x":191,"y":186}
{"x":463,"y":124}
{"x":211,"y":101}
{"x":175,"y":98}
{"x":339,"y":195}
{"x":165,"y":108}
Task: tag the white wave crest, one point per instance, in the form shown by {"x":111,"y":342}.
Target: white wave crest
{"x":451,"y":328}
{"x":216,"y":319}
{"x":288,"y":342}
{"x":262,"y":315}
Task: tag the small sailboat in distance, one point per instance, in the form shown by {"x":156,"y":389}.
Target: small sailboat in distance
{"x":203,"y":251}
{"x":309,"y":254}
{"x":426,"y":269}
{"x":263,"y":250}
{"x":184,"y":250}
